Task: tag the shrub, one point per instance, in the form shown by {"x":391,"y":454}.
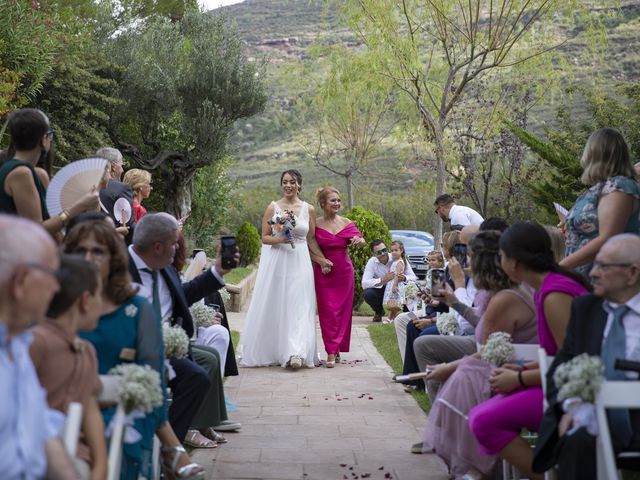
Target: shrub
{"x":248,"y":242}
{"x":372,"y":227}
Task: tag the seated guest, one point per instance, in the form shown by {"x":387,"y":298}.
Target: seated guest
{"x":526,"y":256}
{"x":29,"y":446}
{"x":466,"y":381}
{"x":606,"y":324}
{"x":21,"y":189}
{"x":129,"y":331}
{"x":67,"y":365}
{"x":115,"y":188}
{"x":140,"y":183}
{"x":154,"y":245}
{"x":376,"y":276}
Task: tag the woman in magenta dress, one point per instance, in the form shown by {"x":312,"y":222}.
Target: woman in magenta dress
{"x":526,"y":256}
{"x":334,"y":285}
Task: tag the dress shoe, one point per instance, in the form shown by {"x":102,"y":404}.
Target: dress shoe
{"x":228,"y":426}
{"x":416,"y":448}
{"x":376,"y":317}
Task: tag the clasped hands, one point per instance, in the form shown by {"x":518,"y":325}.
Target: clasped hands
{"x":505,"y":379}
{"x":326,"y":265}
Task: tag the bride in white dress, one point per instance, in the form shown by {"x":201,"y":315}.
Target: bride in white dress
{"x":280,"y":326}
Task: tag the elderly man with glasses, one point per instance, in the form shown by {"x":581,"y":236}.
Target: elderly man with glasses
{"x":376,"y":276}
{"x":29,"y":447}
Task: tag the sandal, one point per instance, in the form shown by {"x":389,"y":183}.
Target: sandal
{"x":195,"y":439}
{"x":181,"y":473}
{"x":338,"y":359}
{"x":330,"y":363}
{"x":211,"y":434}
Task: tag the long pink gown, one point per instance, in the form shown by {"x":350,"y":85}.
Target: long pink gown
{"x":334,"y":291}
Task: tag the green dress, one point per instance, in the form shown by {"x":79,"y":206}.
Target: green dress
{"x":7,"y":205}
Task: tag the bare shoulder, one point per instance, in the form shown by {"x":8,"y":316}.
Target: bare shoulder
{"x":312,"y":209}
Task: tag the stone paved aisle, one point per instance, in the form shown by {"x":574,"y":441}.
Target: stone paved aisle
{"x":348,"y":422}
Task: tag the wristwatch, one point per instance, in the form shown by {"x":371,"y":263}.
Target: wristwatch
{"x":64,"y":217}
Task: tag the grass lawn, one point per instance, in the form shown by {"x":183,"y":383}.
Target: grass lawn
{"x":384,"y":339}
{"x":235,"y":339}
{"x":236,"y":275}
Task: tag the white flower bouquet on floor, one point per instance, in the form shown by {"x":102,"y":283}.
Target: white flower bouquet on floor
{"x":498,"y":349}
{"x":580,"y":378}
{"x":176,"y":341}
{"x":139,"y":387}
{"x":446,"y":324}
{"x":203,"y":315}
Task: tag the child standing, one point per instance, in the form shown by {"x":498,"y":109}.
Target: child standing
{"x":394,"y":290}
{"x":435,"y":260}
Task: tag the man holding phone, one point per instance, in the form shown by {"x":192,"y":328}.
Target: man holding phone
{"x":150,"y":264}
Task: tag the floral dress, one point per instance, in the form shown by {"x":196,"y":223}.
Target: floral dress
{"x":582,"y":220}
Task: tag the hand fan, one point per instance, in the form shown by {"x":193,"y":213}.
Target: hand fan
{"x":196,"y":266}
{"x":122,"y":211}
{"x":72,"y":182}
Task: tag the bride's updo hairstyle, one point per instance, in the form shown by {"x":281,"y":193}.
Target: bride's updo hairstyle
{"x":295,"y":174}
{"x":529,"y":244}
{"x":322,"y":193}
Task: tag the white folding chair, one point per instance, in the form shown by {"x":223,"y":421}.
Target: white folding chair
{"x":544,"y":362}
{"x":523,"y":352}
{"x":110,"y":394}
{"x":619,"y":394}
{"x":71,"y":428}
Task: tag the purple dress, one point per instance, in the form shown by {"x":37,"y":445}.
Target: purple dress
{"x":334,"y":291}
{"x":447,"y":430}
{"x":499,"y":420}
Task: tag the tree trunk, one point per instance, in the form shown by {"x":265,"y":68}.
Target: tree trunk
{"x":349,"y":178}
{"x":177,"y":191}
{"x":440,"y":184}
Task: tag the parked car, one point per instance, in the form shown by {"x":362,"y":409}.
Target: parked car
{"x":416,"y":246}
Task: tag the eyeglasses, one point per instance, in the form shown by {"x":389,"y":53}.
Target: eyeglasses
{"x":96,"y":252}
{"x":606,"y":266}
{"x":382,"y":251}
{"x":42,"y":268}
{"x":50,"y":133}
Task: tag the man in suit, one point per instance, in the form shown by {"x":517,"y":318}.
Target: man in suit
{"x":151,"y":254}
{"x":606,"y":323}
{"x":115,"y":188}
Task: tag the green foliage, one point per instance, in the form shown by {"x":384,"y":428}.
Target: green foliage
{"x":30,"y":36}
{"x":372,"y":227}
{"x":210,"y":198}
{"x":184,"y":85}
{"x":248,"y":242}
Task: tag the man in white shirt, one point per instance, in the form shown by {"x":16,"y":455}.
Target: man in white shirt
{"x":376,"y":275}
{"x":457,"y":215}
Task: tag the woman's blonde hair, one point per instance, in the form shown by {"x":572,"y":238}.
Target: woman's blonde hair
{"x":322,"y":193}
{"x":136,"y":178}
{"x":449,"y":239}
{"x":605,"y":155}
{"x":557,"y":242}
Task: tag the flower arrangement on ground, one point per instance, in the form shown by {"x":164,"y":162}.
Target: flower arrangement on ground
{"x":176,"y":341}
{"x":446,"y":324}
{"x":139,"y":387}
{"x":282,"y":224}
{"x":498,"y":349}
{"x":202,"y":314}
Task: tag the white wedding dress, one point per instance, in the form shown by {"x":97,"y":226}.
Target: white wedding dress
{"x":281,"y":321}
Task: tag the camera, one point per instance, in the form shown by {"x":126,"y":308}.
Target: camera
{"x":228,"y":244}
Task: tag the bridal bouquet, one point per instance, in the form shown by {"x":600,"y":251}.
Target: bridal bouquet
{"x":579,"y":381}
{"x":139,"y":387}
{"x":176,"y":342}
{"x":202,"y":314}
{"x":498,"y":349}
{"x":282,"y":224}
{"x":580,"y":378}
{"x":446,"y":324}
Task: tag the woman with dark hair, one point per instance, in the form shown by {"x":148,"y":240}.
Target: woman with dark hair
{"x":466,"y":382}
{"x":281,"y":322}
{"x":609,"y":206}
{"x":527,"y":257}
{"x":129,"y":331}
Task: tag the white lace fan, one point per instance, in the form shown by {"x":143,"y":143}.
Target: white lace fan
{"x":72,"y":182}
{"x":122,"y":210}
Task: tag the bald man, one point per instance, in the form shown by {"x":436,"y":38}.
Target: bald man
{"x":29,"y":447}
{"x":614,"y":307}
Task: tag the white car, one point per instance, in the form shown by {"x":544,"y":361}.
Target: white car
{"x":416,"y":246}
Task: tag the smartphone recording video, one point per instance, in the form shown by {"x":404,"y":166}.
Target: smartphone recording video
{"x":437,"y":281}
{"x":228,"y":244}
{"x":460,"y":254}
